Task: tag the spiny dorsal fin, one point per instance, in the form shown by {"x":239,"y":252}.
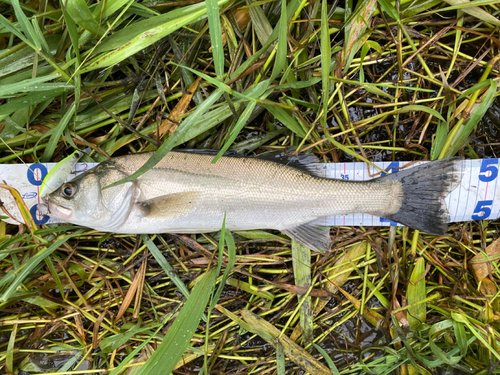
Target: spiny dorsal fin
{"x":305,"y":162}
{"x":204,"y":151}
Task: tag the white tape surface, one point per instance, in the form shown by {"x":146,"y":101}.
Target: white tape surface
{"x":476,"y":198}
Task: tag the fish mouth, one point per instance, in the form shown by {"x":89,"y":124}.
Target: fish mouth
{"x":59,"y":211}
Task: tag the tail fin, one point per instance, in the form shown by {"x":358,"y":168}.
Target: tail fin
{"x":424,"y":189}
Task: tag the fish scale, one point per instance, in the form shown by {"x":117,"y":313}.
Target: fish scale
{"x":187,"y":193}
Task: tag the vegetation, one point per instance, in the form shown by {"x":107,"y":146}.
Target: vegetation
{"x":372,"y":81}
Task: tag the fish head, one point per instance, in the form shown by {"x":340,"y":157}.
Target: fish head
{"x":85,"y":200}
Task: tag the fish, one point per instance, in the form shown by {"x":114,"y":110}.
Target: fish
{"x":187,"y":193}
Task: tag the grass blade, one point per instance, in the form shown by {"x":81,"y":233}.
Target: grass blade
{"x":326,"y":58}
{"x":236,"y":129}
{"x":143,"y":39}
{"x":439,"y":140}
{"x":79,"y":11}
{"x":477,"y":114}
{"x":231,"y":260}
{"x":422,"y":108}
{"x":479,"y":13}
{"x":28,"y":100}
{"x":294,"y":352}
{"x":213,"y":17}
{"x":58,"y":131}
{"x":327,"y":358}
{"x":11,"y":28}
{"x":280,"y":59}
{"x":174,"y":344}
{"x":22,"y":273}
{"x":165,"y":265}
{"x":280,"y":359}
{"x":73,"y":32}
{"x":417,"y":293}
{"x":301,"y":260}
{"x":26,"y":25}
{"x":355,"y":28}
{"x":286,"y":119}
{"x":261,"y":24}
{"x":32,"y":85}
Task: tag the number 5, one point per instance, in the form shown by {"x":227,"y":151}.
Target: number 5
{"x":488,"y":171}
{"x":482,"y":211}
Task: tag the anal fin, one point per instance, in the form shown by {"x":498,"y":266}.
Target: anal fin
{"x":314,"y":236}
{"x":170,"y":206}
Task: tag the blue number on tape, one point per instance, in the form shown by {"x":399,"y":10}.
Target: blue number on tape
{"x":482,"y":210}
{"x":393,"y":165}
{"x":392,"y":223}
{"x":344,"y":176}
{"x":36,"y":179}
{"x":488,"y":171}
{"x":34,"y":215}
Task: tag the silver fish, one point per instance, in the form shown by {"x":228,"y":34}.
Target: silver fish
{"x":186,"y":193}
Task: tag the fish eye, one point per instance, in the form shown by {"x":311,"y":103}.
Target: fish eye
{"x":68,"y":190}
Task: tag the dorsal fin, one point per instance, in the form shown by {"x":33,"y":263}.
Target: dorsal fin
{"x":304,"y":162}
{"x":205,"y":151}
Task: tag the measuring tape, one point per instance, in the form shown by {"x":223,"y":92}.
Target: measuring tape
{"x":476,"y":198}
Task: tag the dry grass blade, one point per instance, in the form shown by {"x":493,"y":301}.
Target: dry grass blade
{"x":294,"y":352}
{"x":21,"y":205}
{"x":134,"y":292}
{"x":301,"y":256}
{"x":170,"y":124}
{"x":355,"y":28}
{"x":484,"y":265}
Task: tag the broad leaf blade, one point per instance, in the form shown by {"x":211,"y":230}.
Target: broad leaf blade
{"x":215,"y":36}
{"x":416,"y":293}
{"x":174,"y":344}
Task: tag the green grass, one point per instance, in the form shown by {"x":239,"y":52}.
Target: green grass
{"x":353,"y":83}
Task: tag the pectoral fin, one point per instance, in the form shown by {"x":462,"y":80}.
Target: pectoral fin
{"x":314,"y":236}
{"x":170,"y":206}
